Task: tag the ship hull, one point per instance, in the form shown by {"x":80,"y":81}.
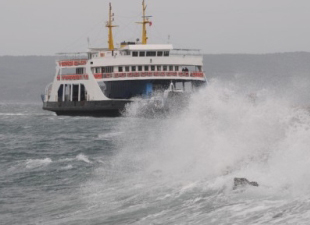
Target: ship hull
{"x":110,"y":108}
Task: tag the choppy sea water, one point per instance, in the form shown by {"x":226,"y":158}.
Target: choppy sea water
{"x":174,"y":170}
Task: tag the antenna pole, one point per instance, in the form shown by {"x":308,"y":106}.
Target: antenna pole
{"x":110,"y":26}
{"x":144,"y":22}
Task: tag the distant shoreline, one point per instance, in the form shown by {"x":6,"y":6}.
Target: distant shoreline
{"x":258,"y":54}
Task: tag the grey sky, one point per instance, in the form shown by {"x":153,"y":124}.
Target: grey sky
{"x":45,"y":27}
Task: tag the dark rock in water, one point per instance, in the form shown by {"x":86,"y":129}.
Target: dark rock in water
{"x":243,"y":182}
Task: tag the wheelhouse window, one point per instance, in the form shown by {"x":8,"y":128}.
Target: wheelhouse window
{"x":165,"y":68}
{"x":150,"y":53}
{"x":166,"y":53}
{"x":127,"y":68}
{"x":134,"y":54}
{"x":146,"y":68}
{"x":160,"y":54}
{"x":133,"y":68}
{"x":176,"y":68}
{"x":152,"y":68}
{"x":139,"y":68}
{"x":158,"y":68}
{"x":142,"y":54}
{"x":170,"y":68}
{"x":120,"y":69}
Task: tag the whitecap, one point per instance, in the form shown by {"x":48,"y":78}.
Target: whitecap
{"x":66,"y":160}
{"x":68,"y":167}
{"x":109,"y":136}
{"x":13,"y":114}
{"x":82,"y":157}
{"x":35,"y":163}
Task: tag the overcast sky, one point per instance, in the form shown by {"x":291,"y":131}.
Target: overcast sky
{"x":45,"y":27}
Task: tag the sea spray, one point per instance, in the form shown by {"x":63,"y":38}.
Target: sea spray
{"x":220,"y":130}
{"x":187,"y":162}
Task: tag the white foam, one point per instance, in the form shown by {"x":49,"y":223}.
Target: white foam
{"x":68,"y":167}
{"x":66,"y":160}
{"x":192,"y":158}
{"x":13,"y":114}
{"x":108,"y":136}
{"x":225,"y":132}
{"x":82,"y":157}
{"x":35,"y":163}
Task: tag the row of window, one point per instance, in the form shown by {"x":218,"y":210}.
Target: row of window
{"x":150,"y":53}
{"x":134,"y":54}
{"x":146,"y":68}
{"x":106,"y":69}
{"x":110,"y":69}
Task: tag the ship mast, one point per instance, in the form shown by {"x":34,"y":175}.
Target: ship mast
{"x":110,"y":26}
{"x":144,"y":22}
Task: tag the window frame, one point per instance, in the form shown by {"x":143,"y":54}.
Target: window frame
{"x":166,"y":53}
{"x":97,"y":69}
{"x":151,"y":54}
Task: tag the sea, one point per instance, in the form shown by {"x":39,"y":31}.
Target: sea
{"x":177,"y":169}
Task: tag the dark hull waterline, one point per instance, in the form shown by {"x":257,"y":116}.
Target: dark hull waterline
{"x":110,"y":108}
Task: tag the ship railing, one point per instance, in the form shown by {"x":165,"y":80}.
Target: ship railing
{"x":186,"y":52}
{"x":172,"y":74}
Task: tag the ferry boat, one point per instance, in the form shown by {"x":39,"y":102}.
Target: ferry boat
{"x":103,"y":81}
